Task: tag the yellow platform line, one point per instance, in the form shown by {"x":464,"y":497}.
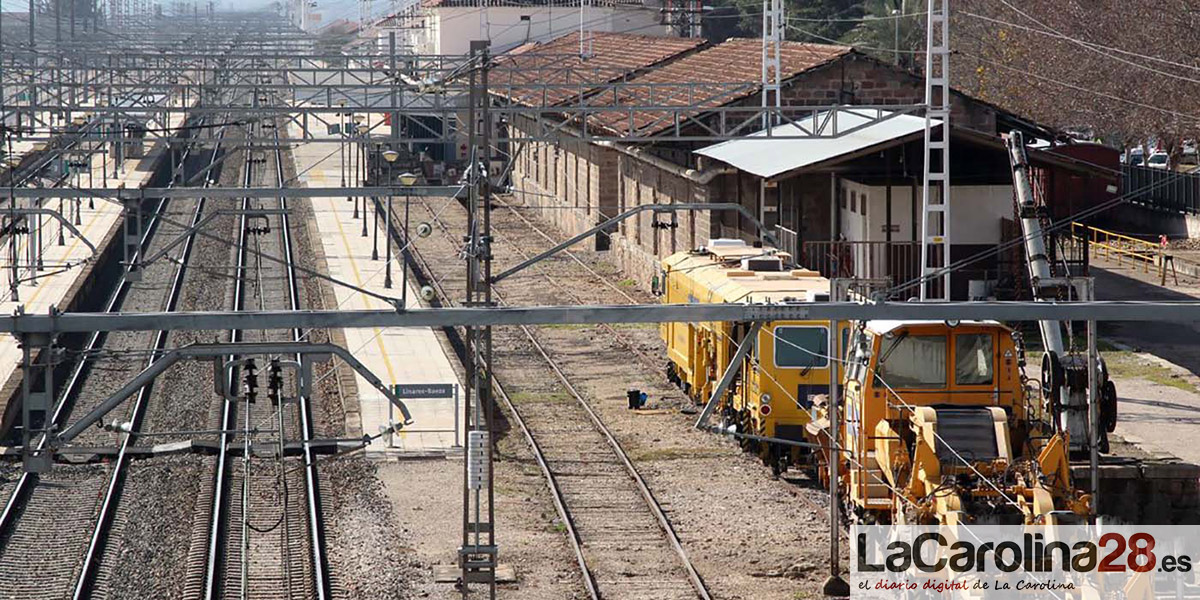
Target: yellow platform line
{"x":366,"y":300}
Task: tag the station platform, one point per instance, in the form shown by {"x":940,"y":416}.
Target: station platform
{"x":400,"y":356}
{"x":66,"y":265}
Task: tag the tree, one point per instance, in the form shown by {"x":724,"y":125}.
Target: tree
{"x":891,"y":30}
{"x":818,"y":21}
{"x":823,"y":21}
{"x":1126,"y":71}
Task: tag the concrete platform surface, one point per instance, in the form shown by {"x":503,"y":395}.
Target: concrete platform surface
{"x":402,"y":355}
{"x":64,"y":263}
{"x":1158,"y":379}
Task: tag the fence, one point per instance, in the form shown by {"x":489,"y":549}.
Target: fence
{"x":789,"y":241}
{"x":1120,"y":248}
{"x":1169,"y":190}
{"x":897,"y":261}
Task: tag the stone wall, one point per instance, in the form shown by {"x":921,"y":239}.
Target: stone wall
{"x":576,"y":185}
{"x":858,"y":79}
{"x":1146,"y":492}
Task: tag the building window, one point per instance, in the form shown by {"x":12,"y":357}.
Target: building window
{"x":845,"y":198}
{"x":853,"y":201}
{"x":863,"y":212}
{"x":913,"y":361}
{"x":973,"y":359}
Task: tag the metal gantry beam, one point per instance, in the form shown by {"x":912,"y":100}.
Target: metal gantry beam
{"x":308,"y":351}
{"x":231,"y":193}
{"x":154,"y":74}
{"x":82,"y":322}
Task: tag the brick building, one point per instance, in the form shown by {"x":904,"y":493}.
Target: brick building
{"x":579,"y":184}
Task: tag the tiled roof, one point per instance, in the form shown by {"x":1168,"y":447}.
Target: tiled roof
{"x":714,"y":77}
{"x":611,"y":57}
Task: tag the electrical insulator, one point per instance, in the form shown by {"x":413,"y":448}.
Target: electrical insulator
{"x":251,"y":380}
{"x":275,"y":382}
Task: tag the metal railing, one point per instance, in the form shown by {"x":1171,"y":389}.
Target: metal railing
{"x":1122,"y":248}
{"x":898,"y":261}
{"x":789,"y":241}
{"x":1166,"y":189}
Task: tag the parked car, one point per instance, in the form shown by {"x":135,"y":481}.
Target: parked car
{"x":1134,"y":158}
{"x":1158,"y":160}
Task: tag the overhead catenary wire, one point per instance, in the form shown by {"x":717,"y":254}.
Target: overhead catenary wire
{"x":1078,"y":88}
{"x":1103,"y":50}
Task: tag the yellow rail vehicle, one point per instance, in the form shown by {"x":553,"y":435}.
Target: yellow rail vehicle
{"x":939,"y":427}
{"x":789,"y":367}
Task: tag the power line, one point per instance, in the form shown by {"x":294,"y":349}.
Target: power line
{"x":1103,"y":50}
{"x":1078,"y":88}
{"x":856,"y":47}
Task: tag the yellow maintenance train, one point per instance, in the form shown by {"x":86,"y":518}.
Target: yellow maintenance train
{"x":938,"y":426}
{"x":789,"y":366}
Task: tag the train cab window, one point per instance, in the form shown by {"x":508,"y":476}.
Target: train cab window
{"x":801,"y":347}
{"x":913,"y":361}
{"x":973,"y":361}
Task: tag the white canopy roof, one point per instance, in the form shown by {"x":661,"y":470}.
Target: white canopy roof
{"x":763,"y":156}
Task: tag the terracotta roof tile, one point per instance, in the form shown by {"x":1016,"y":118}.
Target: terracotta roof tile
{"x":709,"y":78}
{"x":612,"y":57}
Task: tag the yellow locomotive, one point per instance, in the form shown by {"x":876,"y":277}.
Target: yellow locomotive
{"x":789,"y":367}
{"x":940,"y":428}
{"x":938,"y":424}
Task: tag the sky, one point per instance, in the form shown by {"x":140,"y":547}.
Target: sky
{"x":329,"y":9}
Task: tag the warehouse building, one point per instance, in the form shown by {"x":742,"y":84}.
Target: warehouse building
{"x":844,"y":206}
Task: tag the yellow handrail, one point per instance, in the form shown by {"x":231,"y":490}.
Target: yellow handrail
{"x":1111,"y":245}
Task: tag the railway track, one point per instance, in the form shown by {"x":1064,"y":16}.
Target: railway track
{"x":266,"y":530}
{"x":89,"y":571}
{"x":624,"y":542}
{"x":257,"y":522}
{"x":67,"y":512}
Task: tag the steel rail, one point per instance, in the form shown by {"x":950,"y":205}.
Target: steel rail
{"x":226,"y":426}
{"x":652,"y":503}
{"x":315,"y":522}
{"x":79,"y":372}
{"x":99,"y":538}
{"x":560,"y":503}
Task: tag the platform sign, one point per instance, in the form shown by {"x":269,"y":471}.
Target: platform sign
{"x":416,"y":391}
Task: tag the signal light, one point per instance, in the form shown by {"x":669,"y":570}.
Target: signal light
{"x":274,"y":382}
{"x":251,"y":380}
{"x":765,"y":409}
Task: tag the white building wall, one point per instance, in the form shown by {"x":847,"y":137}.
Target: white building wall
{"x":975,"y":213}
{"x":450,"y":30}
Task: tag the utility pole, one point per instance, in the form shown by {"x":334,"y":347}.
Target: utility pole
{"x":772,"y":65}
{"x":897,"y":15}
{"x":935,"y":210}
{"x":477,"y":555}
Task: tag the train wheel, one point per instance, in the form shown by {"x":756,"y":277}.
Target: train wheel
{"x":812,"y":467}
